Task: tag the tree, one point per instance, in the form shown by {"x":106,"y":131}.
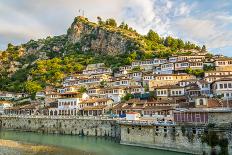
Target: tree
{"x":32,"y":87}
{"x":203,"y":49}
{"x":127,"y":97}
{"x":111,"y":22}
{"x":153,"y":36}
{"x":82,"y":89}
{"x":100,"y":22}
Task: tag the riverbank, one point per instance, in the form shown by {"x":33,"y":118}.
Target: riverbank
{"x":75,"y":145}
{"x":165,"y":137}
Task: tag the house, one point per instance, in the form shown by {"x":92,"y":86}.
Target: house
{"x":98,"y":68}
{"x":4,"y":105}
{"x":167,"y":68}
{"x":181,"y":66}
{"x":7,"y":95}
{"x":212,"y":78}
{"x":203,"y":116}
{"x":115,"y":93}
{"x":28,"y":109}
{"x":169,"y":91}
{"x":155,"y":109}
{"x":68,"y":104}
{"x":223,"y":64}
{"x":184,"y":83}
{"x":132,"y":116}
{"x":147,"y":76}
{"x":217,"y":73}
{"x":95,"y":106}
{"x":204,"y":87}
{"x":51,"y":97}
{"x":168,"y":79}
{"x":196,"y":65}
{"x":223,"y":88}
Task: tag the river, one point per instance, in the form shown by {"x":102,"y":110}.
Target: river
{"x":29,"y":143}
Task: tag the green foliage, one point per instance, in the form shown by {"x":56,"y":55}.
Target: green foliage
{"x":127,"y":97}
{"x":32,"y":87}
{"x":208,"y":68}
{"x":82,"y":89}
{"x":136,"y":69}
{"x":111,"y":22}
{"x":196,"y":72}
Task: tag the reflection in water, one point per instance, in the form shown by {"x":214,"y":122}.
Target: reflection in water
{"x":49,"y":144}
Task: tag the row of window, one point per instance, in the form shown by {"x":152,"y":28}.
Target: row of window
{"x":224,"y":86}
{"x":72,"y":103}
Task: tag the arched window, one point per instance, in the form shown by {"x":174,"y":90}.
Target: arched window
{"x":201,"y":102}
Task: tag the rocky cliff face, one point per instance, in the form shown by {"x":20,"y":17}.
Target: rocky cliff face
{"x":98,"y":39}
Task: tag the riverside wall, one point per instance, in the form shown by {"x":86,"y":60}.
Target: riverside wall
{"x":63,"y":125}
{"x":186,"y":139}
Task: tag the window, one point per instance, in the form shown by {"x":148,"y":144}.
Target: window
{"x":229,"y":85}
{"x":225,"y":85}
{"x":201,"y":102}
{"x":221,"y":86}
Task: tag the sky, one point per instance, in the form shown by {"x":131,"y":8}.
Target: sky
{"x":204,"y":22}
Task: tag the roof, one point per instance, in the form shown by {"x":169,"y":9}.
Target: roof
{"x":169,"y":87}
{"x":93,"y":100}
{"x":100,"y":107}
{"x":134,"y":113}
{"x":223,"y":79}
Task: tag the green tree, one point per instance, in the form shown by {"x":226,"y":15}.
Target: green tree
{"x":32,"y":87}
{"x":153,"y":36}
{"x":82,"y":89}
{"x":111,"y":22}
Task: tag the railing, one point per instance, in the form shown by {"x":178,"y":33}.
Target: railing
{"x":59,"y":117}
{"x":145,"y":122}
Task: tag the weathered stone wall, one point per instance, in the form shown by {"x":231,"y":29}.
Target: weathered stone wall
{"x":168,"y":138}
{"x":74,"y":126}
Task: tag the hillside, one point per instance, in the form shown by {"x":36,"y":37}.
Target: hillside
{"x":47,"y":61}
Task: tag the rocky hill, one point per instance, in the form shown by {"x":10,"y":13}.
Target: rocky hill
{"x":47,"y":61}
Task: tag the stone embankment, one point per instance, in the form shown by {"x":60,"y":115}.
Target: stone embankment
{"x":88,"y":126}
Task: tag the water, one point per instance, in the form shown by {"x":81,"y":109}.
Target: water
{"x":35,"y":143}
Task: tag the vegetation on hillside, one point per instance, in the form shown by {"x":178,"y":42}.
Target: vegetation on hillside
{"x":35,"y":64}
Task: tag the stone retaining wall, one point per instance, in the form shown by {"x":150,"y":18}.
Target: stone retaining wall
{"x":73,"y":126}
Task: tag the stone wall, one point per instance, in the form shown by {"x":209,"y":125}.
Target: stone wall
{"x":173,"y":138}
{"x":73,"y":126}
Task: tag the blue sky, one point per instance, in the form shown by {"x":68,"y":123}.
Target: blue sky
{"x":206,"y":22}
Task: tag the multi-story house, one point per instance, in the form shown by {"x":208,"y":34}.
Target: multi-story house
{"x":187,"y":82}
{"x":169,"y":91}
{"x":136,"y":75}
{"x":223,"y":64}
{"x":115,"y":93}
{"x":147,"y":76}
{"x":4,"y":105}
{"x":181,"y":66}
{"x":204,"y":87}
{"x":223,"y":88}
{"x":220,"y":73}
{"x":168,"y":79}
{"x":97,"y":69}
{"x":68,"y":103}
{"x":196,"y":65}
{"x":167,"y":68}
{"x":95,"y":106}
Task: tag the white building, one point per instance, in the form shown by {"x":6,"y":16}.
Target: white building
{"x":4,"y":105}
{"x":223,"y":88}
